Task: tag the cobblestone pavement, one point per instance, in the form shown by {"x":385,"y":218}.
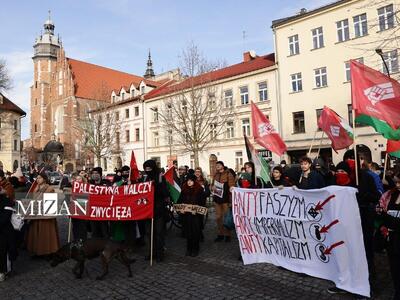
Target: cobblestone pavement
{"x":216,"y":273}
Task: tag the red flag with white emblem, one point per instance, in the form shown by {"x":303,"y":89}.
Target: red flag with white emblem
{"x":374,"y":95}
{"x":264,"y":133}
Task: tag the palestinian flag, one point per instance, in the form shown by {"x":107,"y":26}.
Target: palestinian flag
{"x":173,"y":187}
{"x":393,"y":148}
{"x":376,"y":100}
{"x":260,"y":164}
{"x":336,"y":128}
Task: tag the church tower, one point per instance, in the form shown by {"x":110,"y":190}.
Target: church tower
{"x":149,"y":71}
{"x":46,"y":49}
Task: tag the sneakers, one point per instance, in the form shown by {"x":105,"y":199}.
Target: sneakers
{"x":335,"y":290}
{"x":219,"y":238}
{"x":2,"y":277}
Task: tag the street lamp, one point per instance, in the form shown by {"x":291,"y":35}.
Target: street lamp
{"x":380,"y":53}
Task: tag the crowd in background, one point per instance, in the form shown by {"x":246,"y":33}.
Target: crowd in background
{"x":377,"y":197}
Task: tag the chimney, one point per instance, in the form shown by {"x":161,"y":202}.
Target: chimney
{"x":249,"y":55}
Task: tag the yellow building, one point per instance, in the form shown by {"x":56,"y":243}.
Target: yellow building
{"x":10,"y":134}
{"x":313,"y":49}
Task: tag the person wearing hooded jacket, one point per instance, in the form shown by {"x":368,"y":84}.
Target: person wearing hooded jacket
{"x":161,"y":197}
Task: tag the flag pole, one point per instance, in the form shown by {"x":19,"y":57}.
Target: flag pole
{"x":320,"y":143}
{"x":151,"y":241}
{"x":355,"y":144}
{"x":69,"y":230}
{"x":312,"y":143}
{"x":384,"y":165}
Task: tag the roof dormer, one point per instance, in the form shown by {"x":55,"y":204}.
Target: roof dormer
{"x":113,"y":97}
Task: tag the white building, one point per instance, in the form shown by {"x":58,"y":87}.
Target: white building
{"x":313,"y":49}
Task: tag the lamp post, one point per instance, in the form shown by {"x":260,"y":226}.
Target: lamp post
{"x":380,"y":53}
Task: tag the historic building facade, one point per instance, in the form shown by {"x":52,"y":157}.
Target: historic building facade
{"x":64,"y":91}
{"x":313,"y":49}
{"x":10,"y":134}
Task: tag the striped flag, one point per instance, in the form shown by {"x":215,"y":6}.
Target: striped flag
{"x":173,"y":187}
{"x":260,"y":164}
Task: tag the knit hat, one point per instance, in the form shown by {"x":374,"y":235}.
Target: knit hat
{"x":343,"y":166}
{"x":191,"y":177}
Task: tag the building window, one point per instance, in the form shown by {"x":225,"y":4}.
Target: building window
{"x":156,"y":139}
{"x":319,"y":112}
{"x":127,"y":137}
{"x":297,"y":85}
{"x":213,"y":131}
{"x":347,"y":68}
{"x":108,"y":118}
{"x":244,"y":95}
{"x":15,"y":124}
{"x":132,"y":93}
{"x":321,"y":79}
{"x":127,"y":113}
{"x":230,"y":130}
{"x":350,"y":116}
{"x":343,"y":30}
{"x":0,"y":144}
{"x":318,"y":38}
{"x":117,"y":141}
{"x":105,"y":163}
{"x":184,"y":107}
{"x":238,"y":160}
{"x":142,"y":89}
{"x":170,"y":139}
{"x":35,"y":127}
{"x":137,"y":134}
{"x":294,"y":45}
{"x":35,"y":101}
{"x":263,"y":91}
{"x":386,"y":17}
{"x":298,"y":122}
{"x":392,"y":61}
{"x":228,"y":96}
{"x":136,"y":111}
{"x":360,"y":25}
{"x":117,"y":116}
{"x":246,"y":127}
{"x":15,"y":145}
{"x":113,"y":98}
{"x":122,"y":96}
{"x":155,"y":114}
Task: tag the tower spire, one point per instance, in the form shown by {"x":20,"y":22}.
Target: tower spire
{"x":149,"y":71}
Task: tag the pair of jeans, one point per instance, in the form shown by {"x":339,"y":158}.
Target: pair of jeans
{"x":220,"y":211}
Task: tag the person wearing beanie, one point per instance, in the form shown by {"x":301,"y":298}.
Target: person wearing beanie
{"x":342,"y":174}
{"x":192,"y":193}
{"x":161,"y":198}
{"x":221,"y":186}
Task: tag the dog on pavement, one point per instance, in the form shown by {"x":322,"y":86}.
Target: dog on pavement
{"x":81,"y":250}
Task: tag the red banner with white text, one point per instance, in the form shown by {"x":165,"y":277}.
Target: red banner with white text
{"x":113,"y":203}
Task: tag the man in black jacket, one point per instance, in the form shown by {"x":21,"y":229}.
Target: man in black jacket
{"x":161,"y":197}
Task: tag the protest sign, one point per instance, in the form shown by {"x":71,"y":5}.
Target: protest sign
{"x":316,"y":232}
{"x":194,"y":209}
{"x":128,"y":202}
{"x":218,"y":189}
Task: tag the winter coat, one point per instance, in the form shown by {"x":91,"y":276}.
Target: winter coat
{"x":314,"y":181}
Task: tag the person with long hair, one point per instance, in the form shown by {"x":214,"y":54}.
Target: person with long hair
{"x":42,"y":237}
{"x":389,"y":214}
{"x":248,"y":179}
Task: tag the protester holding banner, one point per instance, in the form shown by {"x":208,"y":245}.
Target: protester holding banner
{"x":389,"y":214}
{"x":161,"y":196}
{"x":310,"y":179}
{"x":192,"y":193}
{"x":99,"y":228}
{"x":277,"y":178}
{"x":223,"y":181}
{"x":42,"y":237}
{"x":248,"y":179}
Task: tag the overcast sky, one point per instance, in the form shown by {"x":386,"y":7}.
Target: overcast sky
{"x":118,"y":33}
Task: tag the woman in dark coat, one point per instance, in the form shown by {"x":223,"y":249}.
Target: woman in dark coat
{"x":192,"y":193}
{"x":248,"y":179}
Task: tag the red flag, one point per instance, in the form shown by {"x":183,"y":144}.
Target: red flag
{"x":134,"y":172}
{"x":374,"y":94}
{"x":337,"y":129}
{"x":393,"y":148}
{"x":264,"y":133}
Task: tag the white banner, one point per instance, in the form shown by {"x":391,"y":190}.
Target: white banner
{"x":316,"y":232}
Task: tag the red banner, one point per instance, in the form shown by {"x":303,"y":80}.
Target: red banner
{"x":123,"y":203}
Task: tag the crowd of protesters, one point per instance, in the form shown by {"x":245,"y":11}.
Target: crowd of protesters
{"x":377,"y":198}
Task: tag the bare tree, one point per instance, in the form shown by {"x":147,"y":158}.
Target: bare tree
{"x":98,"y":128}
{"x":5,"y":80}
{"x":195,"y":113}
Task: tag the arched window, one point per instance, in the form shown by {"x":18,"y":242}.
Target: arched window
{"x":59,"y":120}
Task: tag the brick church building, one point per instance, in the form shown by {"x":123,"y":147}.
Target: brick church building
{"x":63,"y":91}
